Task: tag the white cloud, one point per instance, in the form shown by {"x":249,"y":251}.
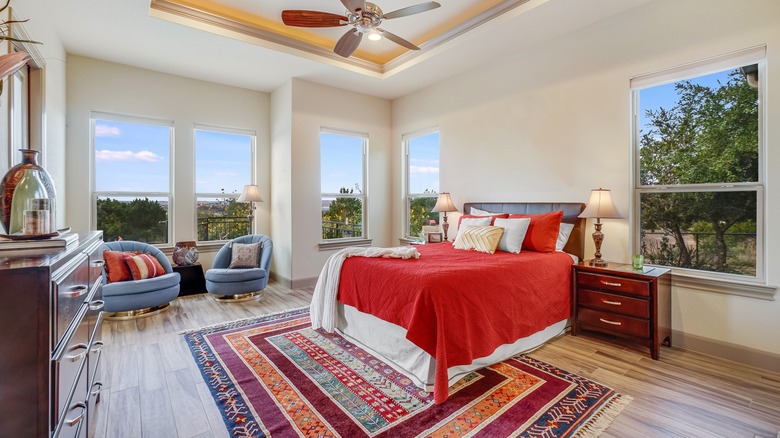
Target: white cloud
{"x":107,"y":131}
{"x":106,"y":155}
{"x":423,"y":169}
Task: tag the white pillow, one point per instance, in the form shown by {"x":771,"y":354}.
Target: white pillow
{"x":478,"y":221}
{"x":563,"y":235}
{"x":478,"y":212}
{"x":514,"y":233}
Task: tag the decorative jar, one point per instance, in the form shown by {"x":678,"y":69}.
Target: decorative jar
{"x":185,"y":253}
{"x":12,"y":179}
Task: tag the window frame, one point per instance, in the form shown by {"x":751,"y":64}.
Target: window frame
{"x":252,"y":174}
{"x":98,"y":115}
{"x":406,"y":140}
{"x":363,"y":240}
{"x":694,"y":278}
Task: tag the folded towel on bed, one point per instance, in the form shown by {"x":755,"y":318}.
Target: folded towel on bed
{"x":323,"y":302}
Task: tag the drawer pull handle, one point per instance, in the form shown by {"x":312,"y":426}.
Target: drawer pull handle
{"x":97,"y":305}
{"x":606,"y":321}
{"x":96,"y":387}
{"x":78,"y":357}
{"x":611,"y":303}
{"x":99,"y":263}
{"x":609,"y":283}
{"x":97,"y":346}
{"x":75,"y":291}
{"x":76,"y":420}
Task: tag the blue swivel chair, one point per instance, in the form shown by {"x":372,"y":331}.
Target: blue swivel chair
{"x":128,"y":299}
{"x":238,"y":284}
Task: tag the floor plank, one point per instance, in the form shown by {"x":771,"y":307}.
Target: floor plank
{"x":155,"y":388}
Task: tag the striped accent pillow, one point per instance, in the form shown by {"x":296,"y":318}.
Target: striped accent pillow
{"x":144,"y":266}
{"x":480,"y":238}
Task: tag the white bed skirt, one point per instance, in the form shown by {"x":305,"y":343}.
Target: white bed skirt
{"x":388,"y":341}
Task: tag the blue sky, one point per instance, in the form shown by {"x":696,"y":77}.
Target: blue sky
{"x":136,"y":158}
{"x":424,"y":163}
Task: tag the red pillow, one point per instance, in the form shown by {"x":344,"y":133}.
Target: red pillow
{"x":144,"y":266}
{"x":116,"y":266}
{"x":542,"y":232}
{"x":492,"y":216}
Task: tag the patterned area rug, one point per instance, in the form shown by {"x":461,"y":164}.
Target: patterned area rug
{"x":276,"y":376}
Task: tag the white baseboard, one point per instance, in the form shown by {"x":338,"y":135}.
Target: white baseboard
{"x":733,"y":352}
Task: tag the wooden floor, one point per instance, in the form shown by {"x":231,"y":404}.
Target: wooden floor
{"x":153,"y":388}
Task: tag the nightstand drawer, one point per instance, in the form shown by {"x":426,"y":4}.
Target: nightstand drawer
{"x":614,"y":324}
{"x":624,"y":305}
{"x":617,"y":284}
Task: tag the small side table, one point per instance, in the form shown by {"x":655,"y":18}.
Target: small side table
{"x":618,"y":301}
{"x":192,"y":279}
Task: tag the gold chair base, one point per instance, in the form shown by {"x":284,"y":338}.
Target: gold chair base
{"x":237,"y":298}
{"x":139,"y":313}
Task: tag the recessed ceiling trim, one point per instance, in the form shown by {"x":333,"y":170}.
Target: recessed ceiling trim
{"x":198,"y":18}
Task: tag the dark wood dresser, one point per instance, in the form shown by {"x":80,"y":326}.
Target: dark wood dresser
{"x":620,"y":302}
{"x":50,"y":324}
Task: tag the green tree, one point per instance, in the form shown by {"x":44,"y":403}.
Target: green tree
{"x":709,"y":136}
{"x":140,"y":219}
{"x":222,"y":220}
{"x":344,"y":216}
{"x":420,"y":213}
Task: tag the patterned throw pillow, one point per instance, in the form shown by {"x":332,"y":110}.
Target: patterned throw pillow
{"x":480,"y":238}
{"x":246,"y":255}
{"x":116,"y":266}
{"x":144,"y":266}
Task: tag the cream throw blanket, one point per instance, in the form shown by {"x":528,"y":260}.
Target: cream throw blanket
{"x":323,"y":303}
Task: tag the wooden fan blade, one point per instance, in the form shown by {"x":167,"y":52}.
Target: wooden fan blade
{"x":312,"y":19}
{"x":354,"y":5}
{"x":411,"y":10}
{"x":348,"y":43}
{"x":396,"y":39}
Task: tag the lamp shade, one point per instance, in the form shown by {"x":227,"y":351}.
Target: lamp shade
{"x":601,"y":206}
{"x":251,"y":193}
{"x":444,"y":203}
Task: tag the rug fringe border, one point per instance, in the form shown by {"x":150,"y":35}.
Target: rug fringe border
{"x":249,"y":318}
{"x":601,"y":420}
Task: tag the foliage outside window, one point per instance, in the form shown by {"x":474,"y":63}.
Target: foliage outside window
{"x":422,"y":182}
{"x":132,"y":177}
{"x":699,"y":188}
{"x":343,"y":182}
{"x":223,"y":165}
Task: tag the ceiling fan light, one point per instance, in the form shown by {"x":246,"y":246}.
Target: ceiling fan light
{"x":374,"y":36}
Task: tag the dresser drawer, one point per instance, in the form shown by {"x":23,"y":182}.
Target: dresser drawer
{"x":69,"y":371}
{"x":616,"y":284}
{"x":621,"y":304}
{"x":614,"y":324}
{"x":70,"y":289}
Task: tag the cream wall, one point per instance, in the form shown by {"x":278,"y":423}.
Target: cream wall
{"x":314,"y":107}
{"x":552,"y":122}
{"x":95,"y":85}
{"x":281,"y":182}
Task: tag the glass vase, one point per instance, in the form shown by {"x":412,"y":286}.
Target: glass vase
{"x":30,"y":186}
{"x":11,"y":180}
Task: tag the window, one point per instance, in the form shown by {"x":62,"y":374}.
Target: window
{"x":699,"y":190}
{"x":343,"y":184}
{"x":422,"y":181}
{"x":132,"y":189}
{"x":223,"y":165}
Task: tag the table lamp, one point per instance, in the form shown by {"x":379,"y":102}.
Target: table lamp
{"x":444,"y":205}
{"x":600,"y":207}
{"x":250,"y":194}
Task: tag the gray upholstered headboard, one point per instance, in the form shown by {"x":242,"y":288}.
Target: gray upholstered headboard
{"x":576,"y":243}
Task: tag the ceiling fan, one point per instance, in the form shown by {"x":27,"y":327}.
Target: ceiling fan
{"x":363,"y":16}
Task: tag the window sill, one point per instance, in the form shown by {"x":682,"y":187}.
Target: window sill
{"x":741,"y":288}
{"x":339,"y":244}
{"x":405,"y":241}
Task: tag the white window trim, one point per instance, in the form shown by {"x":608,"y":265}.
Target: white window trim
{"x":252,"y":174}
{"x":407,"y":195}
{"x":753,"y":287}
{"x":98,"y":115}
{"x":364,"y":240}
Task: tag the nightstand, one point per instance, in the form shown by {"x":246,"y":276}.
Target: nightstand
{"x":621,"y":302}
{"x":192,"y":279}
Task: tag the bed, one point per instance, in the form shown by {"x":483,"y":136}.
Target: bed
{"x":432,"y":319}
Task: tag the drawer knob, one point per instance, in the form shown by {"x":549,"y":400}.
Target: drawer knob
{"x":606,"y":321}
{"x":99,"y":263}
{"x":78,"y":357}
{"x":96,"y":387}
{"x":97,"y":305}
{"x":609,"y":283}
{"x":97,"y":346}
{"x":75,"y":291}
{"x":77,"y":419}
{"x":611,"y":303}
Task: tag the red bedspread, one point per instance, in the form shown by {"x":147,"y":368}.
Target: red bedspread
{"x":460,"y":305}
